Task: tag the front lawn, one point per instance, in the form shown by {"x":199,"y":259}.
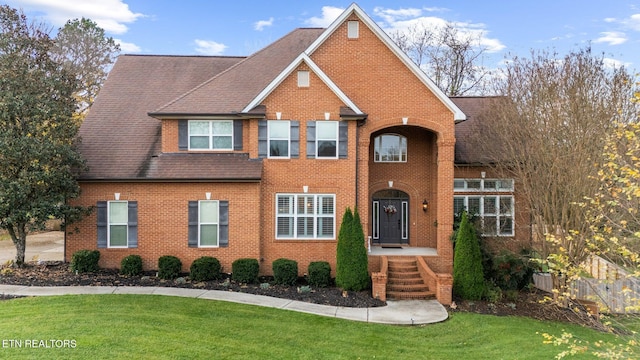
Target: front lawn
{"x":161,"y":327}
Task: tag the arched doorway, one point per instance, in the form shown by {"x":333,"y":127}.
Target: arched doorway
{"x":390,"y":217}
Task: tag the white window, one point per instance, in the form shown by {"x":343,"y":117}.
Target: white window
{"x":118,"y":218}
{"x":327,"y":139}
{"x":390,"y":148}
{"x":208,"y":223}
{"x":210,"y":135}
{"x":495,"y":212}
{"x":303,"y":78}
{"x":352,"y":29}
{"x":279,"y":138}
{"x":486,"y":185}
{"x":305,"y":216}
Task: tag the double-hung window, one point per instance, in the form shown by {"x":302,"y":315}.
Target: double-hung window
{"x":327,"y":139}
{"x":210,"y":135}
{"x":305,"y":216}
{"x":208,"y":223}
{"x":117,"y":224}
{"x":279,"y":138}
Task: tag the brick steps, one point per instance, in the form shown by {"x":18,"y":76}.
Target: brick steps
{"x":404,"y":280}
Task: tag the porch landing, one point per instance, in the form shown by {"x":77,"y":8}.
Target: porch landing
{"x":377,"y":250}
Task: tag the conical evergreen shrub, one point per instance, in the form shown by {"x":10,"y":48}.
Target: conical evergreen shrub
{"x":468,"y":277}
{"x":352,"y":261}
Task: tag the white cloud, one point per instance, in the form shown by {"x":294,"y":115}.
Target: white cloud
{"x":208,"y":47}
{"x":111,"y":15}
{"x":329,"y":14}
{"x":403,"y":19}
{"x":262,"y":24}
{"x":611,"y":38}
{"x":634,"y":22}
{"x":615,"y":64}
{"x":128,"y":48}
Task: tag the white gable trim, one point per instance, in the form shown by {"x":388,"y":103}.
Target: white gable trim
{"x":289,"y":70}
{"x":458,"y":115}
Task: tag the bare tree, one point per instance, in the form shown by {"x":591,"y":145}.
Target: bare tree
{"x":451,"y":58}
{"x":547,"y":130}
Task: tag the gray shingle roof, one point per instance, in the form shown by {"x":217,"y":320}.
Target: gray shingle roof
{"x":473,"y":107}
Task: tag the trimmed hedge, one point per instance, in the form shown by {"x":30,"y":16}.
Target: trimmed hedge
{"x":245,"y":270}
{"x":285,"y":271}
{"x":319,"y":274}
{"x":169,"y":267}
{"x":468,"y":275}
{"x":83,"y":261}
{"x":204,"y":269}
{"x":131,"y":265}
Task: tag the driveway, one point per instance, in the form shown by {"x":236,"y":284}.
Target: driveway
{"x":46,"y":246}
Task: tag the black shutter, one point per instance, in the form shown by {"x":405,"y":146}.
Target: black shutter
{"x":193,"y":224}
{"x":102,"y":224}
{"x":237,"y":134}
{"x":262,"y":139}
{"x":223,"y":212}
{"x":183,"y":135}
{"x":343,"y":139}
{"x":295,"y":139}
{"x":132,"y":224}
{"x":311,"y":139}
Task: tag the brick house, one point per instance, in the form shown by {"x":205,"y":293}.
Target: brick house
{"x":259,"y":156}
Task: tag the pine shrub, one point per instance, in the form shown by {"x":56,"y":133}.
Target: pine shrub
{"x":131,"y":265}
{"x":468,"y":277}
{"x":83,"y":261}
{"x":352,"y":262}
{"x":169,"y":267}
{"x":285,"y":271}
{"x":319,"y":274}
{"x":245,"y":270}
{"x":204,"y":269}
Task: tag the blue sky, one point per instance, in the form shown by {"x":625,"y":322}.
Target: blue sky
{"x":241,"y":27}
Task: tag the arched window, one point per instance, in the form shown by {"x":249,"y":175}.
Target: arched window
{"x":390,"y":148}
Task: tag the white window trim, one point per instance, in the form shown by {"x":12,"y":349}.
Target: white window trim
{"x":304,"y":78}
{"x":375,"y":219}
{"x":482,"y":188}
{"x":210,"y":135}
{"x":109,"y":223}
{"x":336,"y":139}
{"x":316,"y":215}
{"x":379,"y":157}
{"x":209,"y":223}
{"x":269,"y":138}
{"x":353,"y":29}
{"x":497,"y":214}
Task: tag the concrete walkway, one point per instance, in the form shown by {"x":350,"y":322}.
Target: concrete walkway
{"x":405,"y":312}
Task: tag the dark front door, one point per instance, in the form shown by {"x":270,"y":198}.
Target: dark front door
{"x":390,"y":221}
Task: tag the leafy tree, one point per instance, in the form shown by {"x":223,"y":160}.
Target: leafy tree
{"x":352,"y":261}
{"x":37,"y":135}
{"x":87,"y":52}
{"x":468,"y":275}
{"x":451,"y":58}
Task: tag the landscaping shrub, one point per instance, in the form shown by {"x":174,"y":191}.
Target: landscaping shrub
{"x":285,"y":271}
{"x":204,"y":269}
{"x":352,"y":261}
{"x":245,"y":270}
{"x":85,"y":261}
{"x":511,"y":272}
{"x":319,"y":274}
{"x":169,"y":267}
{"x":131,"y":265}
{"x":468,"y":276}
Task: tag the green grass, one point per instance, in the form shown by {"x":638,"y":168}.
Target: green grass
{"x":159,"y":327}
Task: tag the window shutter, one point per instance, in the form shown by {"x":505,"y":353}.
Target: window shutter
{"x":223,"y":241}
{"x":295,"y":139}
{"x":311,"y":139}
{"x":193,"y":224}
{"x":343,"y":139}
{"x":102,"y":224}
{"x":183,"y":135}
{"x":132,"y":224}
{"x":262,"y":139}
{"x":237,"y":134}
